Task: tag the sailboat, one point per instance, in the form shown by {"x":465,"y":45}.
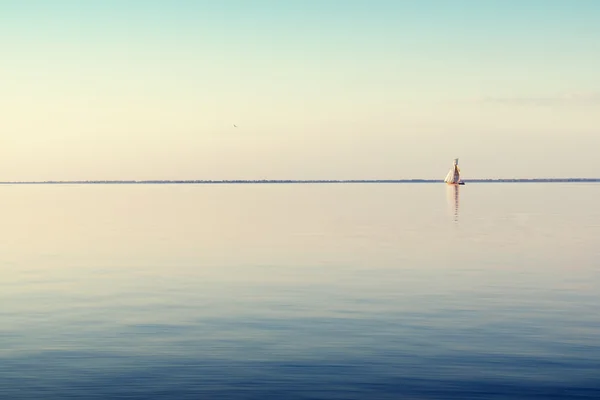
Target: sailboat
{"x":453,"y":177}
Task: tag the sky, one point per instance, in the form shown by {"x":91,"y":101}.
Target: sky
{"x":318,"y":89}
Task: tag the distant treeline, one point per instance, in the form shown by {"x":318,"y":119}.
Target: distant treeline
{"x":229,"y":181}
{"x":263,"y":181}
{"x":534,"y":180}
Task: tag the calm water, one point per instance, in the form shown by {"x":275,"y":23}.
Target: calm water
{"x":331,"y":291}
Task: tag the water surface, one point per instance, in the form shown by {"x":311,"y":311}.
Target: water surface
{"x":341,"y":291}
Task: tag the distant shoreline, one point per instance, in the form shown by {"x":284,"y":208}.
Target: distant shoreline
{"x":295,"y":181}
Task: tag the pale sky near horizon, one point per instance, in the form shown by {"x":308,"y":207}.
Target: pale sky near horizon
{"x":323,"y":89}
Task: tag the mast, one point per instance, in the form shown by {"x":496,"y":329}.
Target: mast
{"x":456,"y":171}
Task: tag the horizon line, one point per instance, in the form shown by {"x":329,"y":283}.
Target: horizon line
{"x":298,"y":181}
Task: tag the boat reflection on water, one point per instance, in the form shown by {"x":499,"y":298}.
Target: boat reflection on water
{"x":452,"y":194}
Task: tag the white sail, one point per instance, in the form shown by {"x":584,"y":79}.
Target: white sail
{"x":453,"y":176}
{"x":450,"y":176}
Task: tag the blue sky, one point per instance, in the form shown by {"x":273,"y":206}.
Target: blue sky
{"x":319,"y":89}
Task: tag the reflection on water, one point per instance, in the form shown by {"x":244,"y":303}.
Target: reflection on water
{"x":299,"y":292}
{"x":452,"y":194}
